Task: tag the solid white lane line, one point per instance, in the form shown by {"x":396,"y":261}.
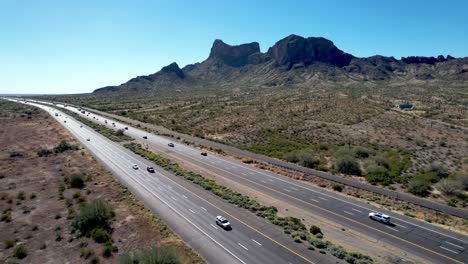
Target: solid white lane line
{"x":356,"y":210}
{"x":348,"y":212}
{"x":256,"y":242}
{"x":296,"y":189}
{"x":453,"y":251}
{"x":215,"y":227}
{"x":320,"y":197}
{"x":192,"y":211}
{"x":317,"y":201}
{"x":392,"y":228}
{"x":204,"y":209}
{"x":455,"y":245}
{"x":242,"y":246}
{"x":173,"y":198}
{"x":286,"y":190}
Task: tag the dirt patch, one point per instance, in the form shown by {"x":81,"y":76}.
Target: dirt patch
{"x":35,"y":214}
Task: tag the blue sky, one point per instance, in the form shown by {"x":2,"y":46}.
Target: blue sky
{"x":77,"y":46}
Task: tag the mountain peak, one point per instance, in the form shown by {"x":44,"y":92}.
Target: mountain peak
{"x":174,"y":68}
{"x":235,"y":56}
{"x":295,"y":49}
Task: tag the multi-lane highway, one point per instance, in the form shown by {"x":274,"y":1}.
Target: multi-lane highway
{"x":190,"y":211}
{"x":415,"y":237}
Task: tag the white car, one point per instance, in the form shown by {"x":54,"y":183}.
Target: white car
{"x":223,"y":222}
{"x":379,"y":217}
{"x":135,"y":167}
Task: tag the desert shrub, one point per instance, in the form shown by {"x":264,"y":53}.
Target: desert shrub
{"x":166,"y":255}
{"x":6,"y":216}
{"x":438,"y":169}
{"x":108,"y":249}
{"x":419,"y":186}
{"x":361,"y":152}
{"x":21,"y":195}
{"x":303,"y":157}
{"x":381,"y":161}
{"x":314,"y":230}
{"x":9,"y":243}
{"x":93,"y":215}
{"x":452,"y":202}
{"x":20,"y":252}
{"x":297,"y":239}
{"x":347,"y":165}
{"x":100,"y":235}
{"x":448,"y":186}
{"x":77,"y":181}
{"x":338,"y":187}
{"x":119,"y":132}
{"x":64,"y":146}
{"x":44,"y":152}
{"x":378,"y":174}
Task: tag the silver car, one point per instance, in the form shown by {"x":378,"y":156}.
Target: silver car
{"x":379,"y":217}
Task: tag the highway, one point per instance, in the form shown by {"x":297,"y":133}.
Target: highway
{"x":434,"y":244}
{"x":190,"y":211}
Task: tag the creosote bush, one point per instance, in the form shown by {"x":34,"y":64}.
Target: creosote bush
{"x":20,"y":252}
{"x":96,"y":214}
{"x":166,"y":255}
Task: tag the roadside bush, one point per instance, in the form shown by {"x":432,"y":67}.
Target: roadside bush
{"x":348,"y":165}
{"x":96,"y":214}
{"x":448,"y":186}
{"x":338,"y":187}
{"x":77,"y":181}
{"x":378,"y":174}
{"x":419,"y":186}
{"x":20,"y":252}
{"x":64,"y":146}
{"x":166,"y":255}
{"x":119,"y":132}
{"x":314,"y":230}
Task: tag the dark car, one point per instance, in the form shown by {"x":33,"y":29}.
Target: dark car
{"x":126,"y":128}
{"x":171,"y":145}
{"x":150,"y":169}
{"x":204,"y":154}
{"x":145,"y":137}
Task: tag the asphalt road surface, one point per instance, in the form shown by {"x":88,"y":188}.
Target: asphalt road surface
{"x":190,"y":211}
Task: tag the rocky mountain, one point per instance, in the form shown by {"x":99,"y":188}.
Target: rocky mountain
{"x":292,"y":61}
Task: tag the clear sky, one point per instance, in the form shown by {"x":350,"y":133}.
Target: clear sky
{"x":66,"y":46}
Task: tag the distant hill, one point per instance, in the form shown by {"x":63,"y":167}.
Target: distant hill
{"x":292,"y":61}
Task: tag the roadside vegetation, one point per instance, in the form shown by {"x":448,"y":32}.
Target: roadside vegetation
{"x":291,"y":226}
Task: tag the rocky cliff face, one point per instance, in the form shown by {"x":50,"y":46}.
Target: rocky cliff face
{"x":292,"y":61}
{"x":298,"y":50}
{"x":235,"y":56}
